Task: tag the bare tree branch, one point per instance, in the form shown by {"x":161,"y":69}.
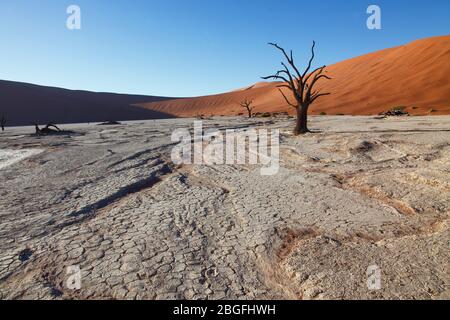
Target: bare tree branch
{"x":289,"y":60}
{"x":310,"y":60}
{"x":301,"y":85}
{"x":247,"y":105}
{"x":3,"y":122}
{"x":313,"y":82}
{"x":294,"y":89}
{"x":320,"y":69}
{"x":287,"y":100}
{"x":284,"y":86}
{"x":314,"y":97}
{"x":275,"y":76}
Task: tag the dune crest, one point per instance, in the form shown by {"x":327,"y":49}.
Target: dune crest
{"x":414,"y":75}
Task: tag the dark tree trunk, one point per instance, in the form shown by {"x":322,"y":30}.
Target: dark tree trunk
{"x":301,"y":125}
{"x":300,"y":85}
{"x":249,"y":113}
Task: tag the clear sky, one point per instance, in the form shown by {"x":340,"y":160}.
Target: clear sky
{"x":194,"y":47}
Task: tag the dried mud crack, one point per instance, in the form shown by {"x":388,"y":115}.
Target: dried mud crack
{"x":110,"y":201}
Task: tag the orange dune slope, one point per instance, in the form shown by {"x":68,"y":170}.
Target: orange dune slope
{"x":415,"y":76}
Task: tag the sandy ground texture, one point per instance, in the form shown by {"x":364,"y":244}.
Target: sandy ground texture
{"x":360,"y":191}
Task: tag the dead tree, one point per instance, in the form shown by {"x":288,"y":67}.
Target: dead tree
{"x":247,"y":104}
{"x":3,"y":122}
{"x":301,"y":85}
{"x":47,"y":129}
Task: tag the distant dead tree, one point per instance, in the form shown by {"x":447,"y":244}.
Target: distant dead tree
{"x":3,"y":122}
{"x":301,"y":86}
{"x":247,"y":104}
{"x":47,"y":129}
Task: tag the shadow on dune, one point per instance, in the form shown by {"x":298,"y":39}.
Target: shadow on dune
{"x":23,"y":103}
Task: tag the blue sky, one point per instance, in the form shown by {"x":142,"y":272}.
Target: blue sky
{"x":194,"y":47}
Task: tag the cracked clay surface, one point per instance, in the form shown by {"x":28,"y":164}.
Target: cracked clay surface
{"x":361,"y":191}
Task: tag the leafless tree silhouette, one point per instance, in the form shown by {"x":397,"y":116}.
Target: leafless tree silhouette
{"x":47,"y":129}
{"x":247,"y":104}
{"x":3,"y":122}
{"x":301,"y":86}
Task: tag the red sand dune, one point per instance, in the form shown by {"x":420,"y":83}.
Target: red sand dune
{"x":415,"y":75}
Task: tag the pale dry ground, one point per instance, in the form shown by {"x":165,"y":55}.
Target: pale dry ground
{"x":361,"y":191}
